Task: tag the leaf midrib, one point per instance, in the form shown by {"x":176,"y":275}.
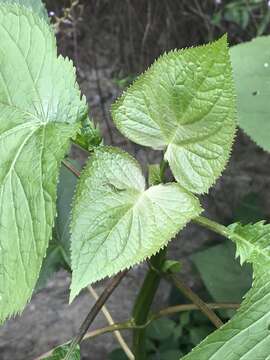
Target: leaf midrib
{"x":179,"y":125}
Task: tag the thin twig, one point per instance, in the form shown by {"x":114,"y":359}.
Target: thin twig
{"x":192,"y":296}
{"x":129,"y":325}
{"x":110,"y":320}
{"x":94,"y":312}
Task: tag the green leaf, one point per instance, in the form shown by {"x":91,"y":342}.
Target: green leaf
{"x":116,"y":222}
{"x":89,"y":136}
{"x":251,"y":65}
{"x":198,"y":333}
{"x":35,"y":5}
{"x":184,"y":103}
{"x":154,"y":174}
{"x":167,"y":355}
{"x":171,"y":266}
{"x":60,"y":353}
{"x":118,"y":354}
{"x":231,"y":282}
{"x":52,"y":263}
{"x":161,"y":329}
{"x":246,"y":336}
{"x":65,"y":194}
{"x":40,"y":110}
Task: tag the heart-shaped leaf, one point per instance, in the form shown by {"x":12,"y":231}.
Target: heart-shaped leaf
{"x":116,"y":222}
{"x":184,"y":103}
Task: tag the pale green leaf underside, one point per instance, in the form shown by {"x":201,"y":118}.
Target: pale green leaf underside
{"x":247,"y":335}
{"x":184,"y":103}
{"x":116,"y":222}
{"x":40,"y":106}
{"x":35,"y":5}
{"x":251,"y":65}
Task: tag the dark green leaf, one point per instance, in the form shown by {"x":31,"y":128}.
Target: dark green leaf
{"x":171,"y":266}
{"x":160,"y":329}
{"x":222,"y":274}
{"x":198,"y":333}
{"x":118,"y":354}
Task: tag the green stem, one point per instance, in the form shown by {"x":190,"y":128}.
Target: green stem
{"x":212,"y":225}
{"x":143,"y":304}
{"x":129,"y":324}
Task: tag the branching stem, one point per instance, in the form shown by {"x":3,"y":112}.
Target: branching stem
{"x":130,"y":325}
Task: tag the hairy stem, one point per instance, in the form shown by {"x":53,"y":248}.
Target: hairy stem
{"x":94,"y":312}
{"x":212,"y":225}
{"x":143,"y":304}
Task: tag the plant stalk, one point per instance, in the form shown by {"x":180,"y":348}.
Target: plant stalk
{"x":143,"y":304}
{"x":129,"y":324}
{"x":212,"y":225}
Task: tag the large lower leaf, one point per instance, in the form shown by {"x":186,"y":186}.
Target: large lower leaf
{"x":40,"y":107}
{"x":35,"y":5}
{"x":251,"y":65}
{"x":247,"y":335}
{"x":184,"y":103}
{"x":116,"y":222}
